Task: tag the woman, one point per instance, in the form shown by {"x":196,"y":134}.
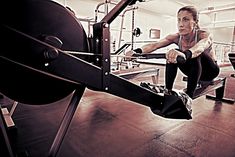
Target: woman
{"x":195,"y":45}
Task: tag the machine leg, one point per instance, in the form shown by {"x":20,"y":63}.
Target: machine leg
{"x":5,"y":144}
{"x":66,"y":121}
{"x":219,"y":94}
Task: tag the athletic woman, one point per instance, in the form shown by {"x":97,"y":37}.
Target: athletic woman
{"x":195,"y":45}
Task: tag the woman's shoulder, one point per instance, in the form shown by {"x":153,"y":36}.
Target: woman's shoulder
{"x":173,"y":37}
{"x":203,"y":33}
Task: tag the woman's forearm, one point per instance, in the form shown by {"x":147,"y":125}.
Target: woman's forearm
{"x":201,"y":46}
{"x":148,"y":48}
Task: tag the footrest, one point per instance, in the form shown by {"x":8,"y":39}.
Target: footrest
{"x":175,"y":105}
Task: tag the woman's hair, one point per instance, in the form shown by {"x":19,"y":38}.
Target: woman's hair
{"x":193,"y":11}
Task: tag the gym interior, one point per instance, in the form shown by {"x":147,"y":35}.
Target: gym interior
{"x":52,"y":105}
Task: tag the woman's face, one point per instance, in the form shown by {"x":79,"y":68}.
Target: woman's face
{"x":185,"y":22}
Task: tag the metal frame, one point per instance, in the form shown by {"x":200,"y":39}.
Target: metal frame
{"x":64,"y":125}
{"x":219,"y":87}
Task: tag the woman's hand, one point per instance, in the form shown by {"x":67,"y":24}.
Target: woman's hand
{"x":128,"y":55}
{"x":172,"y":55}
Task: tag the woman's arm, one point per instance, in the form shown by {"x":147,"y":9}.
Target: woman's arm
{"x":204,"y":43}
{"x":170,"y":39}
{"x":148,"y":48}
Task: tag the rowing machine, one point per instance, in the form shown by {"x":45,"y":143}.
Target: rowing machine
{"x":32,"y":51}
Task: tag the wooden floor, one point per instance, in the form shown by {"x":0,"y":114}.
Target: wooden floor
{"x":107,"y":126}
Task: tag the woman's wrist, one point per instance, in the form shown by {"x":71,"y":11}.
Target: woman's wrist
{"x":188,"y":54}
{"x":138,"y":50}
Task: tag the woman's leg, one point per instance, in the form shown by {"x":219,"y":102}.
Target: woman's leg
{"x":210,"y":68}
{"x":192,"y":69}
{"x":170,"y":74}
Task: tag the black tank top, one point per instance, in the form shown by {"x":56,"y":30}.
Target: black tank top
{"x":208,"y":50}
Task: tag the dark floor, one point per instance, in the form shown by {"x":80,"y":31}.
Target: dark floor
{"x":107,"y":126}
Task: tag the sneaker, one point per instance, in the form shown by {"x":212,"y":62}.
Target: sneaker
{"x":155,"y":89}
